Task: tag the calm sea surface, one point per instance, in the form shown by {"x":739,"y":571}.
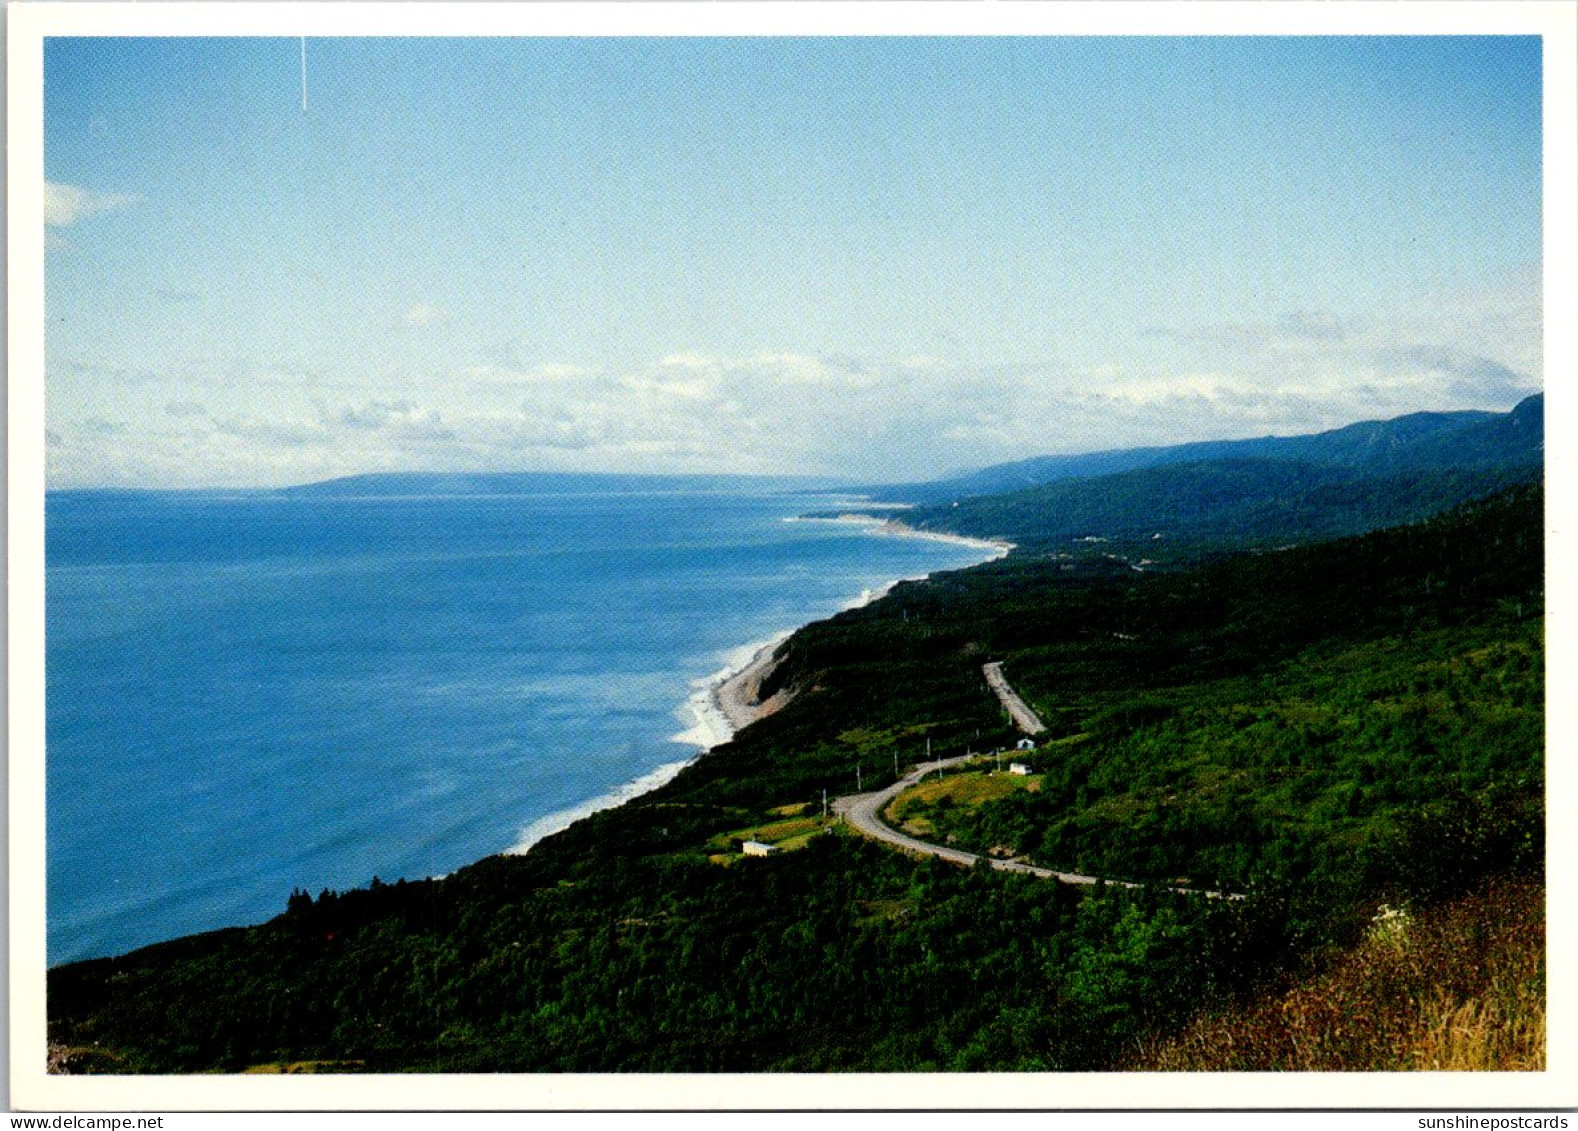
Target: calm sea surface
{"x":249,"y":693}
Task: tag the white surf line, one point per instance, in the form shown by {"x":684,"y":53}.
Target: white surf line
{"x":710,"y":726}
{"x":1000,"y":547}
{"x":552,"y":823}
{"x":894,"y":528}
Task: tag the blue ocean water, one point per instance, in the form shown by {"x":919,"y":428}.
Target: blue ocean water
{"x":253,"y":692}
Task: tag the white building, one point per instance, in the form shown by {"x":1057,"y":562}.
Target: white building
{"x":757,"y":848}
{"x":1018,"y":768}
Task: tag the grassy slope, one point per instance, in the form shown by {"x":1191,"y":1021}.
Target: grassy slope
{"x":1304,"y":772}
{"x":1455,"y":987}
{"x":617,"y":945}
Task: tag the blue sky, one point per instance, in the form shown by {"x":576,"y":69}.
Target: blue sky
{"x":875,"y":258}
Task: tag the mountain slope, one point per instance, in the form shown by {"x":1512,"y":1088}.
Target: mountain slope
{"x":1420,"y":439}
{"x":1221,"y":501}
{"x":1354,"y":479}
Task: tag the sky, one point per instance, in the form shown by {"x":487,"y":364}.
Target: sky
{"x":877,"y":259}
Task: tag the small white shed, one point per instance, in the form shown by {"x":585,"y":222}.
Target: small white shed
{"x":1026,"y":744}
{"x":757,"y":848}
{"x":1018,"y":768}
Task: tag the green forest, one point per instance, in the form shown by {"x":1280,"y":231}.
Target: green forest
{"x":1323,"y":728}
{"x":1235,"y":494}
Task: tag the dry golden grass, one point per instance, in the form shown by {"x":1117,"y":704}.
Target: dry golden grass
{"x":968,"y":789}
{"x":1455,"y":988}
{"x":786,"y":835}
{"x":304,"y":1067}
{"x":770,"y":833}
{"x":1483,"y":1035}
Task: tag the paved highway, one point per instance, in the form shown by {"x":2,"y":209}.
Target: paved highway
{"x":863,"y":812}
{"x":1024,"y":718}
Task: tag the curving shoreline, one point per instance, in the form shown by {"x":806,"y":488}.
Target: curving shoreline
{"x":736,"y":694}
{"x":738,"y":697}
{"x":729,"y":700}
{"x":1000,"y":547}
{"x":898,"y":528}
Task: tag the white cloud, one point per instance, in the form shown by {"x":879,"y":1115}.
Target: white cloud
{"x":798,"y":367}
{"x":549,"y":373}
{"x":790,"y":411}
{"x":66,"y":204}
{"x":423,"y":314}
{"x":272,"y":433}
{"x":699,"y":387}
{"x":1186,"y":386}
{"x":689,"y":359}
{"x":399,"y":416}
{"x":557,"y":372}
{"x":1317,"y":369}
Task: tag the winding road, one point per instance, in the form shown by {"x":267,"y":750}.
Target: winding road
{"x":863,"y":812}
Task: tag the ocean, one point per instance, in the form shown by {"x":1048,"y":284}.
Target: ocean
{"x":253,"y":692}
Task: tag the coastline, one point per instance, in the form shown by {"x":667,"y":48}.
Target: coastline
{"x":721,"y":705}
{"x":731,"y":700}
{"x":726,"y":702}
{"x":718,"y":707}
{"x":544,"y":827}
{"x":737,"y":697}
{"x":898,"y":528}
{"x":1000,"y":547}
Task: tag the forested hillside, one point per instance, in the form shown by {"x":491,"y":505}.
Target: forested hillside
{"x":1418,"y":441}
{"x":1321,"y":728}
{"x":1219,"y":503}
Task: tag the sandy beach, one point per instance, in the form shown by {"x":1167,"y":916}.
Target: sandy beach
{"x":898,"y":528}
{"x":904,"y":530}
{"x":738,"y":697}
{"x":730,"y":700}
{"x":722,"y":706}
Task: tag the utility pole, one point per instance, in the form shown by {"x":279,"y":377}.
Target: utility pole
{"x":858,"y":786}
{"x":824,"y":804}
{"x":895,"y":764}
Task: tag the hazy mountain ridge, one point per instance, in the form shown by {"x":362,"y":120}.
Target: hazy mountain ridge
{"x":394,"y":483}
{"x":1421,"y":438}
{"x":1354,"y":479}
